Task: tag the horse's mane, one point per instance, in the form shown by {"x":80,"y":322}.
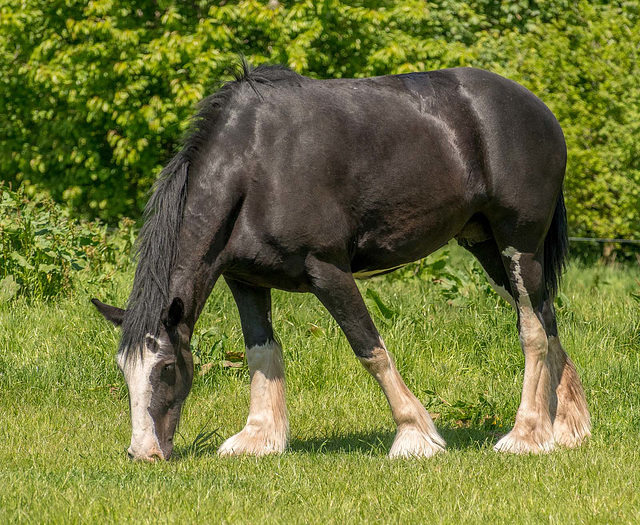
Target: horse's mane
{"x":157,"y":244}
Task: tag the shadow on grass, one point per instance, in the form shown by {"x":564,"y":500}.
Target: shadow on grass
{"x":183,"y":453}
{"x":469,"y":438}
{"x":374,"y":443}
{"x":379,"y":443}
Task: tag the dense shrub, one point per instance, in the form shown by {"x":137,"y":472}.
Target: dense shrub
{"x":42,"y":249}
{"x":97,"y":94}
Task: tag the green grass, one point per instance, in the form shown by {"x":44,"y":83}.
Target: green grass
{"x":64,"y":424}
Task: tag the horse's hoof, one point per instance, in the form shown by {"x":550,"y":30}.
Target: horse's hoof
{"x":251,"y":444}
{"x":534,"y":442}
{"x":415,"y":443}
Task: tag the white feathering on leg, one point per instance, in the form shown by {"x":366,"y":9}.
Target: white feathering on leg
{"x":417,"y":435}
{"x":267,"y":427}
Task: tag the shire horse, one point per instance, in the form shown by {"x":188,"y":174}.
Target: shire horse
{"x":303,"y":185}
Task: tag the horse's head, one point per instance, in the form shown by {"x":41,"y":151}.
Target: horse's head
{"x":159,"y":377}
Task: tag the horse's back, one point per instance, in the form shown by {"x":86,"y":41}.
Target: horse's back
{"x":467,"y":128}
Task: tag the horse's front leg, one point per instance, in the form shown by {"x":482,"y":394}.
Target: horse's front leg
{"x":267,"y":427}
{"x":336,"y":289}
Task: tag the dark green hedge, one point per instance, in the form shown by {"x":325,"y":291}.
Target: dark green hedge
{"x":95,"y":95}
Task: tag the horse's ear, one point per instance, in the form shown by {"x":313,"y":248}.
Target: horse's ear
{"x":112,"y":314}
{"x":175,"y":313}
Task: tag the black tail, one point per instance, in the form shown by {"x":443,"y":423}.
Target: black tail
{"x":556,"y":247}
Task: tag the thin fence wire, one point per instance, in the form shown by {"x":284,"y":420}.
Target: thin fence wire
{"x":595,"y":239}
{"x":112,"y":229}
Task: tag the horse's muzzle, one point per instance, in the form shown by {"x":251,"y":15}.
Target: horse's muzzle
{"x":155,"y":454}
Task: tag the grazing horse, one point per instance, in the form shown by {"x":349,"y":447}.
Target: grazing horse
{"x":304,"y":185}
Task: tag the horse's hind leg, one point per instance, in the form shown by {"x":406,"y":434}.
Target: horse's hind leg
{"x":488,"y":253}
{"x":267,"y":427}
{"x":337,"y":290}
{"x":569,"y":411}
{"x":533,"y":429}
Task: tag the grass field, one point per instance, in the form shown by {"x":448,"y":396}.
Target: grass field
{"x":64,"y":422}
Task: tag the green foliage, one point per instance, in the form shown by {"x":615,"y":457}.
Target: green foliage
{"x":42,"y":249}
{"x":374,"y":298}
{"x":97,"y":94}
{"x":451,"y":272}
{"x":585,"y":66}
{"x":481,"y":413}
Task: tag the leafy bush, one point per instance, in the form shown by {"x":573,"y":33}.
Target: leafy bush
{"x":98,"y":93}
{"x":453,"y":275}
{"x":42,"y":249}
{"x":482,"y":413}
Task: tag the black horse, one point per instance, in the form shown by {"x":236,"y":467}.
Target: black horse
{"x":302,"y":185}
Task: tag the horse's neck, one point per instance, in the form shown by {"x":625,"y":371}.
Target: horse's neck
{"x":204,"y":234}
{"x":192,"y":280}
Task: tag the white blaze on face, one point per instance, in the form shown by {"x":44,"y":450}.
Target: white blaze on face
{"x":137,"y":373}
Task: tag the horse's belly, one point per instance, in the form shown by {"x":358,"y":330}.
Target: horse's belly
{"x":366,"y":274}
{"x":399,"y":241}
